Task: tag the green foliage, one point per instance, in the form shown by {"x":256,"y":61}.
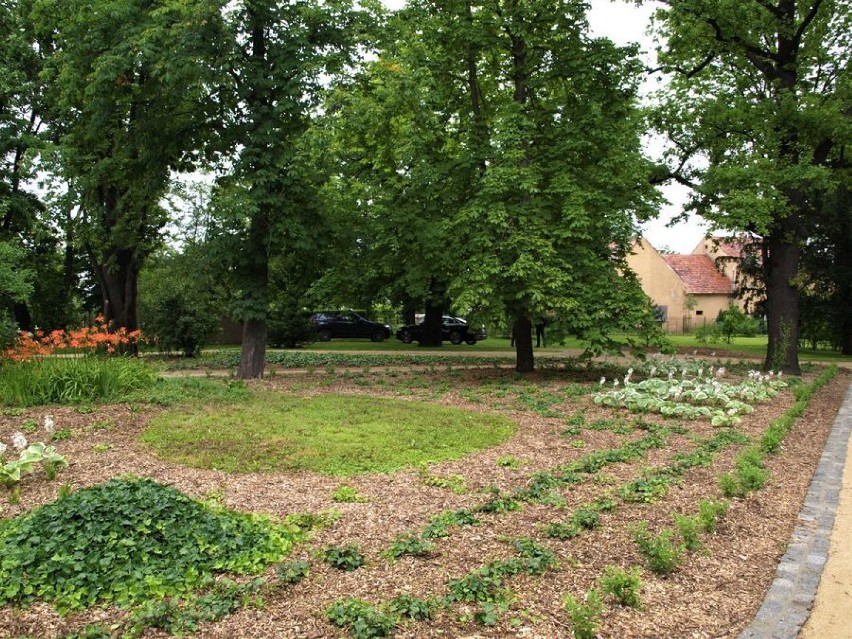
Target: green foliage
{"x":585,"y":617}
{"x":661,"y":551}
{"x":362,"y":619}
{"x":750,"y":474}
{"x":347,"y":494}
{"x":731,"y":322}
{"x":586,"y":518}
{"x":559,"y":530}
{"x":128,"y":541}
{"x":177,"y":307}
{"x":179,"y":616}
{"x":709,"y":512}
{"x":73,"y":380}
{"x":345,"y":558}
{"x":509,"y":462}
{"x":689,"y":528}
{"x":411,"y":607}
{"x":646,"y":489}
{"x":340,"y":435}
{"x":623,"y":586}
{"x":410,"y":544}
{"x":11,"y":472}
{"x":455,"y":483}
{"x":292,"y":572}
{"x":289,"y":326}
{"x":439,"y":525}
{"x":481,"y":585}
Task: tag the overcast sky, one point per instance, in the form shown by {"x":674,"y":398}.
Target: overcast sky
{"x":624,"y":22}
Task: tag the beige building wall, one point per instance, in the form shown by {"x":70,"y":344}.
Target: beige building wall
{"x":659,"y":282}
{"x":665,"y":288}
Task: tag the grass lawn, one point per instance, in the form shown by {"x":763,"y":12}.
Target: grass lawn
{"x":338,"y":435}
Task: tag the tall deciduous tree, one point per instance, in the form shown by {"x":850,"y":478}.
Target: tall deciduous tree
{"x":279,"y":55}
{"x":564,"y":175}
{"x":760,"y":95}
{"x":127,"y":99}
{"x":401,"y":130}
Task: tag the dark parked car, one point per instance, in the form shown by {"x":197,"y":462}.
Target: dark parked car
{"x":453,"y":329}
{"x":330,"y":324}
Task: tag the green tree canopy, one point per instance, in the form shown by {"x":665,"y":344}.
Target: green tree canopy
{"x":757,"y":112}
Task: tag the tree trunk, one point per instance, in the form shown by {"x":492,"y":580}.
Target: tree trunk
{"x":432,"y":325}
{"x":253,"y":353}
{"x":522,"y":330}
{"x":781,"y":259}
{"x":119,"y":286}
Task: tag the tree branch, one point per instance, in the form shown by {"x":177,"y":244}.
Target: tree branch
{"x":807,"y":21}
{"x":757,"y":56}
{"x":771,"y":8}
{"x":688,"y":74}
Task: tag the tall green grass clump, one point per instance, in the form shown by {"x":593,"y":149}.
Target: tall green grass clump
{"x":72,"y":380}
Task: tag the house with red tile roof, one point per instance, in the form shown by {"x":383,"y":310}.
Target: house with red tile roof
{"x":689,"y":290}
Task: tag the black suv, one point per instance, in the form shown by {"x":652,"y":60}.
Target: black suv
{"x":453,"y":329}
{"x":346,"y":324}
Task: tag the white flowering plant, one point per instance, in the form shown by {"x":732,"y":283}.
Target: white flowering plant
{"x":29,"y":456}
{"x":688,"y":397}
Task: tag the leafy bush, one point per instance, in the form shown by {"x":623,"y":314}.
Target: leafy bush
{"x":8,"y":329}
{"x":585,"y":617}
{"x":176,"y":306}
{"x":346,"y":557}
{"x":128,"y":541}
{"x":289,"y":326}
{"x":414,"y":608}
{"x":709,"y":512}
{"x":347,"y":495}
{"x":689,"y":528}
{"x":292,"y":572}
{"x":72,"y":380}
{"x":662,"y":553}
{"x":410,"y":544}
{"x":622,"y":585}
{"x":363,"y":620}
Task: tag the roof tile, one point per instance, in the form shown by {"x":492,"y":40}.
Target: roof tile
{"x":699,"y":275}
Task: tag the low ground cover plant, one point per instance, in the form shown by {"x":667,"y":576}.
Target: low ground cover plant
{"x":128,"y":541}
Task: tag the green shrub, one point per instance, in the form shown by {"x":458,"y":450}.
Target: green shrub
{"x":585,"y":617}
{"x":689,"y":529}
{"x":346,"y":557}
{"x":127,"y":541}
{"x":709,"y":512}
{"x":176,"y":307}
{"x":587,"y":518}
{"x":414,"y":608}
{"x":346,"y":494}
{"x":623,"y":586}
{"x":558,"y":530}
{"x":363,"y":620}
{"x":484,"y":584}
{"x":410,"y":544}
{"x":292,"y":572}
{"x":662,"y":553}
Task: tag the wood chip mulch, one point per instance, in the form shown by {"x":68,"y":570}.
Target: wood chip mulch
{"x":714,"y":594}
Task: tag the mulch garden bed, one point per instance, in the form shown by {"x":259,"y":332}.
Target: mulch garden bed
{"x":715,"y":592}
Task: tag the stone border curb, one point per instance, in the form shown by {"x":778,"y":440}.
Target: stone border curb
{"x":790,"y":598}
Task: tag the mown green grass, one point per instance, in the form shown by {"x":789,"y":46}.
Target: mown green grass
{"x":332,"y":434}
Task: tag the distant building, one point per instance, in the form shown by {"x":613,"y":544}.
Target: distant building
{"x":688,"y":290}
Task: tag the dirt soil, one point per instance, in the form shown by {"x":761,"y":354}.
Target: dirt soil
{"x":714,"y":594}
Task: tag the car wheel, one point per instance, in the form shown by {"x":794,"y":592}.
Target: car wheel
{"x":378,"y":336}
{"x":405,"y":337}
{"x":455,"y":338}
{"x":324,"y":335}
{"x":471,"y":341}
